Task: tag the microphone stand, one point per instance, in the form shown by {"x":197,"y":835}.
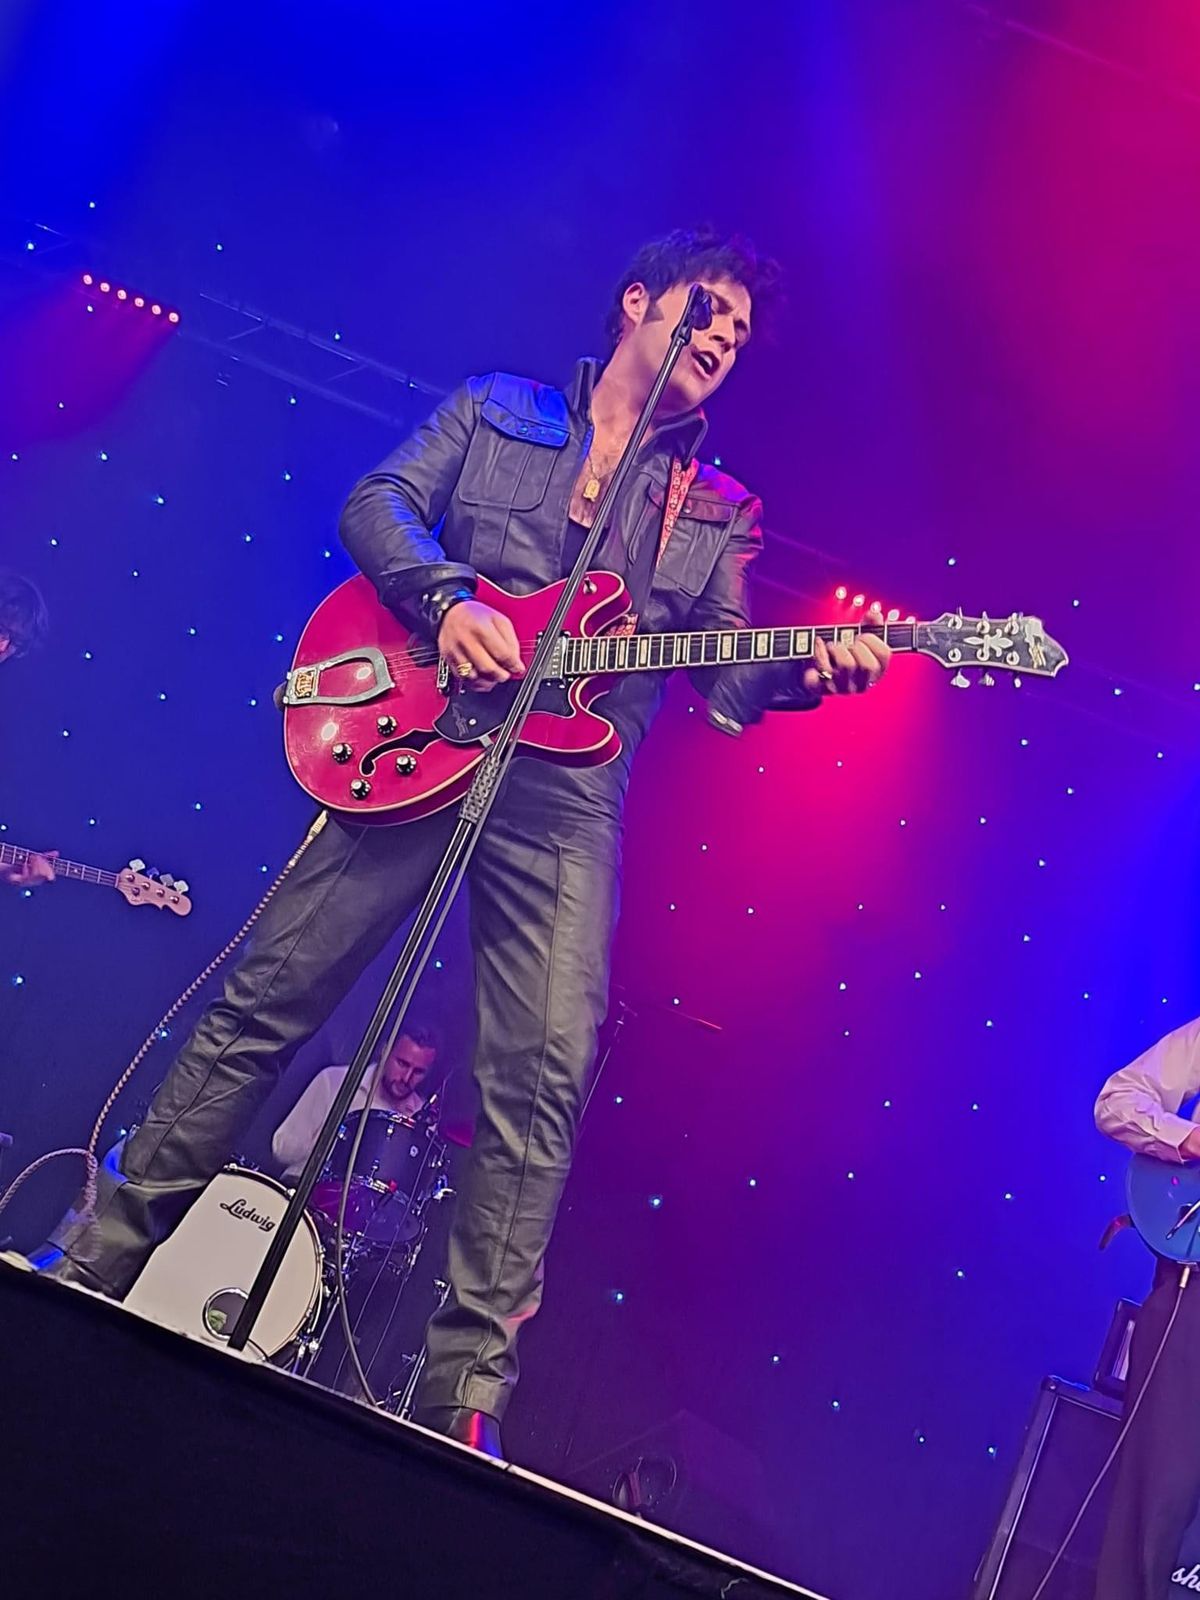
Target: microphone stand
{"x":473,"y":813}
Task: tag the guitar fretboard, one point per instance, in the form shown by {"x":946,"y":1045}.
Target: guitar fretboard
{"x":649,"y":652}
{"x":13,"y":855}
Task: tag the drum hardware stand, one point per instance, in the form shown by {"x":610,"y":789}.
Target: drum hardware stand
{"x":624,"y":1012}
{"x":404,"y":1400}
{"x":473,"y":814}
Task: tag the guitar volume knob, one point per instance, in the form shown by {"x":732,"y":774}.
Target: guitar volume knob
{"x":360,"y":789}
{"x":406,"y":765}
{"x":385,"y":725}
{"x":341,"y":753}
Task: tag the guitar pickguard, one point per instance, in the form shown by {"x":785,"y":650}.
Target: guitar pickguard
{"x":472,"y":716}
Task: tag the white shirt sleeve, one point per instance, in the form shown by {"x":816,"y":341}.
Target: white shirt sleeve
{"x":297,"y":1133}
{"x":1139,"y":1105}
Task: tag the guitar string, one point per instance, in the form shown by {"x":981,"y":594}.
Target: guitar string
{"x":420,"y":660}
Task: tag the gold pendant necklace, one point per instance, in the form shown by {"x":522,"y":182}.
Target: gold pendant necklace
{"x":591,"y":488}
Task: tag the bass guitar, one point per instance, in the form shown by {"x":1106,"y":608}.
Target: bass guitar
{"x":373,"y":726}
{"x":139,"y":887}
{"x":1164,"y":1206}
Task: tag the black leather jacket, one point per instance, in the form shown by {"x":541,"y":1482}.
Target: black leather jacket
{"x":484,"y":486}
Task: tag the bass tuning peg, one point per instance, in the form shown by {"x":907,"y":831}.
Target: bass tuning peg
{"x":181,"y":885}
{"x":165,"y":879}
{"x":137,"y":865}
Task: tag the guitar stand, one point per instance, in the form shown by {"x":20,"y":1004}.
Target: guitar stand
{"x":400,"y":988}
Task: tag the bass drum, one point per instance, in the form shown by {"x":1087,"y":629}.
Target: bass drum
{"x":198,"y":1280}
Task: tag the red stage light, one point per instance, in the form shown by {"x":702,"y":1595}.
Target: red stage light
{"x":157,"y":310}
{"x":172,"y":316}
{"x":859,"y":600}
{"x":139,"y":301}
{"x":122,"y":294}
{"x":105,"y":287}
{"x":88,"y":279}
{"x":840,"y":592}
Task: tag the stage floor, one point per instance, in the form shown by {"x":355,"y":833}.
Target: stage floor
{"x":138,"y":1457}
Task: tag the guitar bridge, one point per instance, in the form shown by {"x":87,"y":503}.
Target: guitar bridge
{"x":303,"y":684}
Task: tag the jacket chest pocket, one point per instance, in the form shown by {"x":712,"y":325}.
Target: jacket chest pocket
{"x":510,"y":460}
{"x":696,"y":543}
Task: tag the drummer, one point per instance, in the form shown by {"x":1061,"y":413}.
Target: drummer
{"x":397,"y":1088}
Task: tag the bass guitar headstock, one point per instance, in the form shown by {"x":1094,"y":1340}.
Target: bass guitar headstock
{"x":144,"y":886}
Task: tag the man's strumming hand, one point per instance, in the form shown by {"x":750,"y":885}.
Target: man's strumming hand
{"x":1190,"y":1148}
{"x":474,"y":635}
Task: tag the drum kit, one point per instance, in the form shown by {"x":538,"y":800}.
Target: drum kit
{"x":198,"y":1279}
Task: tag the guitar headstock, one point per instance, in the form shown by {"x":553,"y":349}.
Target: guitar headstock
{"x":1015,"y":643}
{"x":149,"y":887}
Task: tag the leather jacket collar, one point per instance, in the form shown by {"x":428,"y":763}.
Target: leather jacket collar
{"x":682,"y":435}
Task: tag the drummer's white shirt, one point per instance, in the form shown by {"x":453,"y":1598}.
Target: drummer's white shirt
{"x":297,"y":1133}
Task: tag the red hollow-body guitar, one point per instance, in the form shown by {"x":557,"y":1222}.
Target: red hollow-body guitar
{"x":375,"y":727}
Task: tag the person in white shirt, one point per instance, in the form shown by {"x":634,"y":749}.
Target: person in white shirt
{"x":1157,"y":1488}
{"x":397,"y":1088}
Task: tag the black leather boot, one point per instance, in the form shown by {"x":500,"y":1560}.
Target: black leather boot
{"x":479,"y":1429}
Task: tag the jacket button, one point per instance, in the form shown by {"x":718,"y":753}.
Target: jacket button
{"x":523,"y":427}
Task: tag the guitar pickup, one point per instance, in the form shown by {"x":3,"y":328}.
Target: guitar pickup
{"x":302,"y":686}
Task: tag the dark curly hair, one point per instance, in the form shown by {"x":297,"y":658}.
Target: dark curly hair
{"x":24,"y":620}
{"x":689,"y":254}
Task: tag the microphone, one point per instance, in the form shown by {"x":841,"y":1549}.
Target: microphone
{"x":698,"y":312}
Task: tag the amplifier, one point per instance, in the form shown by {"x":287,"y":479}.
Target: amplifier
{"x":1066,"y":1443}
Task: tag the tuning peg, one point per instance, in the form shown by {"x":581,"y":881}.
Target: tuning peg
{"x":988,"y":681}
{"x":961,"y":681}
{"x":137,"y":865}
{"x":165,"y":879}
{"x":152,"y":872}
{"x":181,"y":886}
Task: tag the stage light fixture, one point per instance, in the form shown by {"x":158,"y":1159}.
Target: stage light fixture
{"x":128,"y":297}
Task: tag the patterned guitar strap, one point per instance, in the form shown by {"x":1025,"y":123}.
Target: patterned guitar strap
{"x":677,"y":489}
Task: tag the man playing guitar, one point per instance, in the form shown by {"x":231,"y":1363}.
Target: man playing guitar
{"x":1157,"y":1487}
{"x":501,"y":481}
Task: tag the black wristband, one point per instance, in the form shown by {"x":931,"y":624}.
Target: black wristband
{"x":435,"y":604}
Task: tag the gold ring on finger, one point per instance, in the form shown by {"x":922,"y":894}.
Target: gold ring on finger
{"x":465,"y":669}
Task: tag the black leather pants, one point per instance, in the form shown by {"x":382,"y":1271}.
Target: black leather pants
{"x":543,"y":899}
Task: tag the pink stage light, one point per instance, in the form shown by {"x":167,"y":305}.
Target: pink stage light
{"x":127,"y":296}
